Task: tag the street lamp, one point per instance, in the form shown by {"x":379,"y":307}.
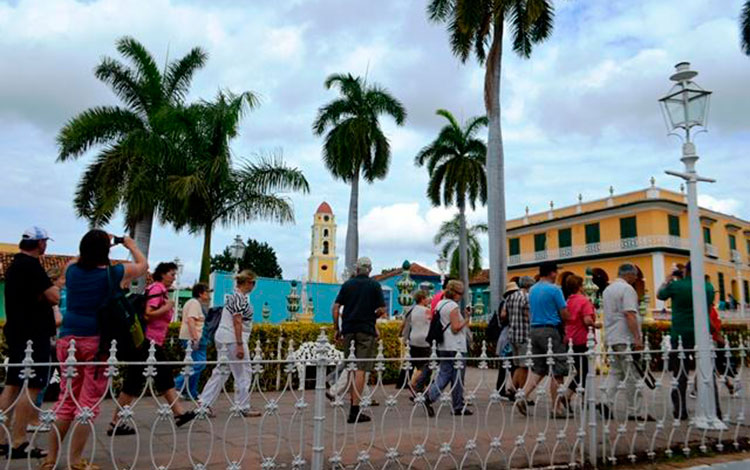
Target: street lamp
{"x":685,"y":107}
{"x":442,"y":263}
{"x":237,"y":250}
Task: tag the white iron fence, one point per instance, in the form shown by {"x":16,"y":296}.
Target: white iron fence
{"x":608,"y":420}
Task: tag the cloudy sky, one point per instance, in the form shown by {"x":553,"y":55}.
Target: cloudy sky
{"x":581,"y":115}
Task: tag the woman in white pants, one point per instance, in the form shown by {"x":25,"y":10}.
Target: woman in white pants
{"x":233,"y":334}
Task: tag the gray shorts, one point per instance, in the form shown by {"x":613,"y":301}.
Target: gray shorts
{"x":365,"y":347}
{"x":539,"y":338}
{"x":519,"y":354}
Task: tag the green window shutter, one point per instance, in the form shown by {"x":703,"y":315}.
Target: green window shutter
{"x":540,"y":242}
{"x":628,"y":228}
{"x":746,"y":288}
{"x":514,"y":246}
{"x":592,"y":233}
{"x":721,"y":286}
{"x":732,"y":242}
{"x":564,"y":238}
{"x":674,"y":225}
{"x":707,"y":235}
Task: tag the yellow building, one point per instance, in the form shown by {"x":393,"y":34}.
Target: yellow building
{"x":323,"y":259}
{"x":647,"y":227}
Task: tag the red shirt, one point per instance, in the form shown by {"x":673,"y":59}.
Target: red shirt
{"x":436,"y":300}
{"x":156,"y":328}
{"x":575,"y":329}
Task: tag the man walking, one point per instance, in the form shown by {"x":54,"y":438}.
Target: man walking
{"x":622,"y":330}
{"x":548,"y":314}
{"x":29,"y":297}
{"x":362,"y":302}
{"x":516,"y":308}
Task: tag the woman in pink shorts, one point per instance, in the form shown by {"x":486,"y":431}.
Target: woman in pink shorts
{"x":87,"y":281}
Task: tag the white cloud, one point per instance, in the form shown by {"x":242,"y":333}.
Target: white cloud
{"x":728,"y":205}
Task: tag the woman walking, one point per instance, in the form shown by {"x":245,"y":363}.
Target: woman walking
{"x":87,"y":282}
{"x":233,"y":333}
{"x":419,"y":349}
{"x":582,"y":317}
{"x":455,"y":335}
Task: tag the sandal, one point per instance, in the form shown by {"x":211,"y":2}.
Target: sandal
{"x":47,"y":465}
{"x":184,"y":418}
{"x":4,"y":448}
{"x":23,"y":452}
{"x":84,"y":464}
{"x":121,"y":430}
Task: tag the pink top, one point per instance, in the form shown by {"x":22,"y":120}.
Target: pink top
{"x":156,"y":329}
{"x":575,"y":329}
{"x":436,"y":300}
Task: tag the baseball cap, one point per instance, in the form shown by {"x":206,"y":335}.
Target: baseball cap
{"x":364,"y":262}
{"x":35,"y":233}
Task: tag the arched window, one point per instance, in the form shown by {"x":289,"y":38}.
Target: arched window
{"x":325,"y":232}
{"x":325,"y":248}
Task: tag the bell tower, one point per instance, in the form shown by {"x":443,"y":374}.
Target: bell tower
{"x":323,"y":259}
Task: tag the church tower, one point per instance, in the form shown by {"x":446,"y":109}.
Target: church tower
{"x":322,"y":261}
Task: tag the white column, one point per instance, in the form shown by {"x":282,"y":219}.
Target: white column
{"x":658,"y":275}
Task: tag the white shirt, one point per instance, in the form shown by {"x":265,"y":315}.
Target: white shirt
{"x":619,"y":297}
{"x":451,"y":341}
{"x":236,"y":304}
{"x":192,"y":309}
{"x":419,"y":317}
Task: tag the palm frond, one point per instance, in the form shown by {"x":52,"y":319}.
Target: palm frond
{"x":96,"y":126}
{"x":144,"y":63}
{"x":180,"y":73}
{"x":124,"y":83}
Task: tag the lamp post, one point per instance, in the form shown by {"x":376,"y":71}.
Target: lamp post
{"x":442,"y":263}
{"x":237,"y":249}
{"x":684,"y":107}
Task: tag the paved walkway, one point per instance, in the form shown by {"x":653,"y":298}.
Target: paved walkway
{"x":495,"y":434}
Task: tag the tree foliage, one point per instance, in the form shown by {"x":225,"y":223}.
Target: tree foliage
{"x":259,"y":256}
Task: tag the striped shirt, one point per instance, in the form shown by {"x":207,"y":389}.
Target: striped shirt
{"x":236,"y":304}
{"x":517,"y":306}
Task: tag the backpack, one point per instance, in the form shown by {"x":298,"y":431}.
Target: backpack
{"x":138,"y":303}
{"x":119,"y":321}
{"x":436,"y":333}
{"x":495,"y":326}
{"x":211,"y":323}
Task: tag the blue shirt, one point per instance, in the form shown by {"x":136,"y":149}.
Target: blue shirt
{"x":86,"y":291}
{"x":545,"y":302}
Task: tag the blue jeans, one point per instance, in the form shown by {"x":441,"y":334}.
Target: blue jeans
{"x":197,"y":355}
{"x":448,"y":374}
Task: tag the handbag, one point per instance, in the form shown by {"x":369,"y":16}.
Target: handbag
{"x":118,"y":320}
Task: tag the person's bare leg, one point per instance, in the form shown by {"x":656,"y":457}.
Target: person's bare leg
{"x":123,"y":400}
{"x":54,"y":447}
{"x":78,"y":442}
{"x":519,"y":378}
{"x":171,"y":397}
{"x":25,"y":413}
{"x":531,"y":383}
{"x":554,"y":384}
{"x":358,"y":388}
{"x":10,"y":392}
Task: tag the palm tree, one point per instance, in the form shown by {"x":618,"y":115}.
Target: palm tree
{"x":129,"y":170}
{"x":472,"y":26}
{"x":205,"y":188}
{"x":448,"y":235}
{"x":456,"y":164}
{"x":745,"y":27}
{"x":355,"y":145}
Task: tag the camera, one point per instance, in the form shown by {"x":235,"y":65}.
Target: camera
{"x":118,"y":240}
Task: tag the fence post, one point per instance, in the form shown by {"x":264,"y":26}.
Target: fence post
{"x":591,"y":397}
{"x":319,"y":416}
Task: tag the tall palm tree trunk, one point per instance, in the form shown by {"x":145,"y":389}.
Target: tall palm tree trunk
{"x":142,"y":237}
{"x":495,"y":169}
{"x":352,"y":228}
{"x":206,"y":256}
{"x":463,"y":252}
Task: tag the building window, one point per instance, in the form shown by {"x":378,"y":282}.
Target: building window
{"x":326,"y":218}
{"x":628,"y":228}
{"x":325,"y":232}
{"x":722,"y":291}
{"x":324,"y":267}
{"x":325,"y":248}
{"x":707,"y":235}
{"x":674,"y":225}
{"x":746,"y":290}
{"x":564,"y":238}
{"x":592,"y":233}
{"x":540,"y":242}
{"x":732,"y":242}
{"x":514,"y":246}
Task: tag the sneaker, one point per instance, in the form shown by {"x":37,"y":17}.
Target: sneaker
{"x":691,"y":395}
{"x":463,"y":412}
{"x":641,"y":419}
{"x":358,"y":418}
{"x":23,"y":452}
{"x":41,"y":427}
{"x":121,"y":430}
{"x":184,"y":418}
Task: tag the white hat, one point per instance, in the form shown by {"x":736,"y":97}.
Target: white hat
{"x":364,"y":262}
{"x":35,"y":233}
